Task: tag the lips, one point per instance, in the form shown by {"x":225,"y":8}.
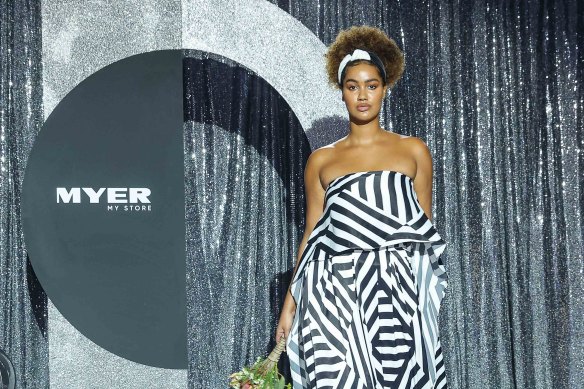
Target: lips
{"x":363,"y":107}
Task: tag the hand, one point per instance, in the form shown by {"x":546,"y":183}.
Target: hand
{"x":284,"y":324}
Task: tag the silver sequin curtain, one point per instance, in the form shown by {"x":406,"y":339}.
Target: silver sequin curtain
{"x":245,"y":153}
{"x":23,"y":304}
{"x":495,"y":89}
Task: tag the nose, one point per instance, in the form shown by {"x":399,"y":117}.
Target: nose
{"x":362,"y":95}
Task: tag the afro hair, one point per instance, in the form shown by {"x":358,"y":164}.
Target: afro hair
{"x":370,"y":39}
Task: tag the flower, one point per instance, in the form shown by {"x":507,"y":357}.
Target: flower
{"x":263,"y":374}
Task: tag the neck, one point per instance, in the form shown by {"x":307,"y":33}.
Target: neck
{"x":362,"y":134}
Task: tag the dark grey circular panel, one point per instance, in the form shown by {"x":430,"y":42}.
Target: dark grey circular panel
{"x":103,"y":209}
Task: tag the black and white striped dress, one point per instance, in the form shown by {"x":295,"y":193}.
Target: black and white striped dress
{"x":368,"y":290}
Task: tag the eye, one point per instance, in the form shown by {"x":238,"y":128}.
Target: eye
{"x":374,"y":86}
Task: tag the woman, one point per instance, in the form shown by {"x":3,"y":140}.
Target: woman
{"x":363,"y":304}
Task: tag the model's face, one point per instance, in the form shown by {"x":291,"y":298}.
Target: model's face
{"x":363,"y":92}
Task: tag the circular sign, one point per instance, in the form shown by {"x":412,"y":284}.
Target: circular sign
{"x":103,"y":209}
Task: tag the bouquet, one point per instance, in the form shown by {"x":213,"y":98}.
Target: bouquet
{"x":263,"y":374}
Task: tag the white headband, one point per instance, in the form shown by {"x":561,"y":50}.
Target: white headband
{"x":357,"y":54}
{"x":360,"y":54}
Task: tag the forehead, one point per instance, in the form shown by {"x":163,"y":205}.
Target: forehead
{"x":362,"y":71}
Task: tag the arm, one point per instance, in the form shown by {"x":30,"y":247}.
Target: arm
{"x":423,"y":180}
{"x":314,"y":194}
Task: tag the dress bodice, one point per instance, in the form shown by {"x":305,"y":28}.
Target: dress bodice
{"x":389,"y":192}
{"x":367,"y":211}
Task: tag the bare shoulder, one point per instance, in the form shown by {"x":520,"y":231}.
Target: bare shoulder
{"x":316,"y":160}
{"x":420,"y":152}
{"x":319,"y":157}
{"x":416,"y":147}
{"x":423,"y":156}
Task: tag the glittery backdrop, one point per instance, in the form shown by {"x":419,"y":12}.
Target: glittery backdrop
{"x":23,"y":304}
{"x":494,"y":88}
{"x":244,"y":157}
{"x":79,"y":38}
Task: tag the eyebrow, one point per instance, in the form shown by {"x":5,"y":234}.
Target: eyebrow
{"x":371,"y":79}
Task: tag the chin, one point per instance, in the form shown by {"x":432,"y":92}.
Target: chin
{"x":362,"y":118}
{"x":369,"y":114}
